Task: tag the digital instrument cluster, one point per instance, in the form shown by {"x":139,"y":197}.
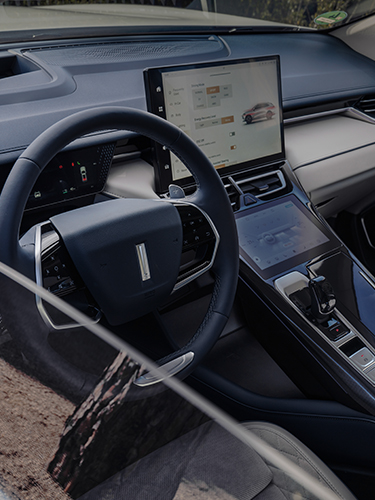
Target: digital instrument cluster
{"x":72,"y":174}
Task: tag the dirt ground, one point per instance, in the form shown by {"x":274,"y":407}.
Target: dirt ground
{"x":32,"y":417}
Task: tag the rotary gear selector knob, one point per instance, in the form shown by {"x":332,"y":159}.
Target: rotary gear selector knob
{"x":323,"y":300}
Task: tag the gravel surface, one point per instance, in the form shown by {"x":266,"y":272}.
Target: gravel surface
{"x":32,"y":417}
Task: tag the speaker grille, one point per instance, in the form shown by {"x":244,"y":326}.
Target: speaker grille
{"x":127,"y":51}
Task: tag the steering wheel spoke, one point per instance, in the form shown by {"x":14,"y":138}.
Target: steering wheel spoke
{"x":55,"y":271}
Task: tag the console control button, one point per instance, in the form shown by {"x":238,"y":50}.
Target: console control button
{"x":334,"y":329}
{"x":371,"y":375}
{"x":362,"y":358}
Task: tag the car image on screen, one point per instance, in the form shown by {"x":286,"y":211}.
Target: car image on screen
{"x":261,"y":111}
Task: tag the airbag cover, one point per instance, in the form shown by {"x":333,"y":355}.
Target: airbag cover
{"x":102,"y":241}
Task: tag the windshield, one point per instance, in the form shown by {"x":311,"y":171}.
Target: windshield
{"x":48,"y":19}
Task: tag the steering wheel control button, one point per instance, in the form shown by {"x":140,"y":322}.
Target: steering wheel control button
{"x":363,"y":358}
{"x":196,"y":229}
{"x":199,"y":243}
{"x":55,"y":274}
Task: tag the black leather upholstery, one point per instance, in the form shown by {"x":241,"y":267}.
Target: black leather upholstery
{"x":209,"y":463}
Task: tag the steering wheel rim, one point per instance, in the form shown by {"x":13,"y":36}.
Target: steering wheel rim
{"x":210,"y":197}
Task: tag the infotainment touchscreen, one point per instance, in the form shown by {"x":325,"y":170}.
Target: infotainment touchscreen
{"x":232,"y":110}
{"x":280,"y":235}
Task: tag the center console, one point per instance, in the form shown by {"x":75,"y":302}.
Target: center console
{"x":291,"y":249}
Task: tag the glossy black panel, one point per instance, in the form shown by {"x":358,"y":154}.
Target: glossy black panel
{"x":354,"y":293}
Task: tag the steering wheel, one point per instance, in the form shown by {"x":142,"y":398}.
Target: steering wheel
{"x":127,"y":252}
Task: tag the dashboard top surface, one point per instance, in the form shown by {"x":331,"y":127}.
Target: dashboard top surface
{"x":59,"y":79}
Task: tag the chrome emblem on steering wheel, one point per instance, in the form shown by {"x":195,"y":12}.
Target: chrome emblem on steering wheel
{"x":143,"y":262}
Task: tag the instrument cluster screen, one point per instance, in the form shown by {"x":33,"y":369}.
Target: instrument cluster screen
{"x":72,"y":174}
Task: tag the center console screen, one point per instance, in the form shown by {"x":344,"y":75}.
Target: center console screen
{"x":281,"y":234}
{"x":231,"y":110}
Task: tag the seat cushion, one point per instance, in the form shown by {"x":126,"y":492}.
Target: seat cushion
{"x":297,"y":452}
{"x":210,"y":464}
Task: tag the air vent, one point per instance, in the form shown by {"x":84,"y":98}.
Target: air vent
{"x":259,"y":185}
{"x":367,"y":104}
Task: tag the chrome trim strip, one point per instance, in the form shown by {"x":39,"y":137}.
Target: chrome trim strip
{"x":313,"y":116}
{"x":369,"y":281}
{"x":39,"y":281}
{"x":206,"y":268}
{"x":143,"y":261}
{"x":169,"y":369}
{"x":265,"y":175}
{"x":237,"y":184}
{"x":366,"y":233}
{"x":350,"y":112}
{"x":359,"y":115}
